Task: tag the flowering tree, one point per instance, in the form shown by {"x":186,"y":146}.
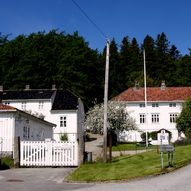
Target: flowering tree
{"x":118,"y":117}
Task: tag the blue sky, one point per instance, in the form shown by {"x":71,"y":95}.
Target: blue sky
{"x":117,"y":18}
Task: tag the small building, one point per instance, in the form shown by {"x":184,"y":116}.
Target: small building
{"x":15,"y":123}
{"x":164,"y":104}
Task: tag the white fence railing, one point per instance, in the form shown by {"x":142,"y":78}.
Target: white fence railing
{"x":48,"y":153}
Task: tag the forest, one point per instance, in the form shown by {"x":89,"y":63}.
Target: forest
{"x":42,"y":59}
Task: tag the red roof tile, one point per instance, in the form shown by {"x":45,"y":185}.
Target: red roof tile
{"x":155,"y":94}
{"x":7,"y":107}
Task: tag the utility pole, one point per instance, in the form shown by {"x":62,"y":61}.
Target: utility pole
{"x":145,"y":84}
{"x":105,"y":104}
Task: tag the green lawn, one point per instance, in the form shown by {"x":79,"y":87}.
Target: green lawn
{"x":129,"y":167}
{"x":130,"y":146}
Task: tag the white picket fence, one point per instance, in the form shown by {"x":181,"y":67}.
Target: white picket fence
{"x":48,"y":153}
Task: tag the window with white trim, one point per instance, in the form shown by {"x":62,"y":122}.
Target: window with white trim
{"x":26,"y":132}
{"x":141,"y":105}
{"x":142,"y":118}
{"x":173,"y":117}
{"x":172,"y":104}
{"x":63,"y":121}
{"x":155,"y":105}
{"x":155,"y":118}
{"x":23,"y":105}
{"x":40,"y":105}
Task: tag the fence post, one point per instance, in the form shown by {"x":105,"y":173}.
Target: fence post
{"x":16,"y":152}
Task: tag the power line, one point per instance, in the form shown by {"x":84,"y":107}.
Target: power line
{"x":91,"y":21}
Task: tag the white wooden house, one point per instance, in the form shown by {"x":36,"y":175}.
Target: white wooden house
{"x":60,"y":107}
{"x":16,"y":123}
{"x":57,"y":106}
{"x":164,"y":104}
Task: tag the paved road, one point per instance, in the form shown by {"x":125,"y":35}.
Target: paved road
{"x":52,"y":179}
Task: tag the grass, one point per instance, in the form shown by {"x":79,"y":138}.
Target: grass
{"x":130,"y":146}
{"x":130,"y":167}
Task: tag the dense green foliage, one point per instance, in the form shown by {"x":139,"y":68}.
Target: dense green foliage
{"x":42,"y":59}
{"x":184,"y":120}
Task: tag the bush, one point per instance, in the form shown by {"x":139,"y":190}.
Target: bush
{"x":182,"y":142}
{"x":6,"y":163}
{"x":152,"y":135}
{"x":64,"y":137}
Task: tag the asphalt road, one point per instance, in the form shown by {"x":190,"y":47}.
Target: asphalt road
{"x":52,"y":179}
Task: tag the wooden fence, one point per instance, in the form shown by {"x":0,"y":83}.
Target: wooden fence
{"x":48,"y":153}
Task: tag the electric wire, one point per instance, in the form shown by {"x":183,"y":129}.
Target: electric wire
{"x":90,"y":20}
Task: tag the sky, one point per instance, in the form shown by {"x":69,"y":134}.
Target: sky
{"x":115,"y":18}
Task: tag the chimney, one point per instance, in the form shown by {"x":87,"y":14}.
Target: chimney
{"x":27,"y":87}
{"x":53,"y":87}
{"x":1,"y":88}
{"x":137,"y":86}
{"x":163,"y":85}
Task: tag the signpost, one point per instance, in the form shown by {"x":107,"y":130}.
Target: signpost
{"x":167,"y":149}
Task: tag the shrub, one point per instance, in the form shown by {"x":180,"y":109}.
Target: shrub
{"x":182,"y":142}
{"x":64,"y":137}
{"x":6,"y":163}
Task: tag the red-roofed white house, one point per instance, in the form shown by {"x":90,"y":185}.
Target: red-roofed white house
{"x":164,"y":104}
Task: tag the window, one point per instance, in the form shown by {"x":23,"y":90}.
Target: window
{"x":155,"y":118}
{"x":63,"y":121}
{"x":26,"y":132}
{"x":23,"y":105}
{"x":142,"y":105}
{"x":173,"y":117}
{"x":142,"y":118}
{"x":155,"y":105}
{"x":40,"y":105}
{"x":172,"y":104}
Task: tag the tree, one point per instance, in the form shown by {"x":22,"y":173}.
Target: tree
{"x":184,"y":120}
{"x":125,"y":63}
{"x":118,"y":120}
{"x":118,"y":117}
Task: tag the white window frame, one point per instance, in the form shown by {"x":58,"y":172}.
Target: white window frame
{"x":40,"y":104}
{"x":172,"y":104}
{"x":26,"y":132}
{"x":23,"y":105}
{"x":155,"y":118}
{"x":142,"y":105}
{"x":142,"y":118}
{"x":173,"y":117}
{"x":155,"y":105}
{"x":63,"y":121}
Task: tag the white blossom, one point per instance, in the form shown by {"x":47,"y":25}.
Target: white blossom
{"x":118,"y":117}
